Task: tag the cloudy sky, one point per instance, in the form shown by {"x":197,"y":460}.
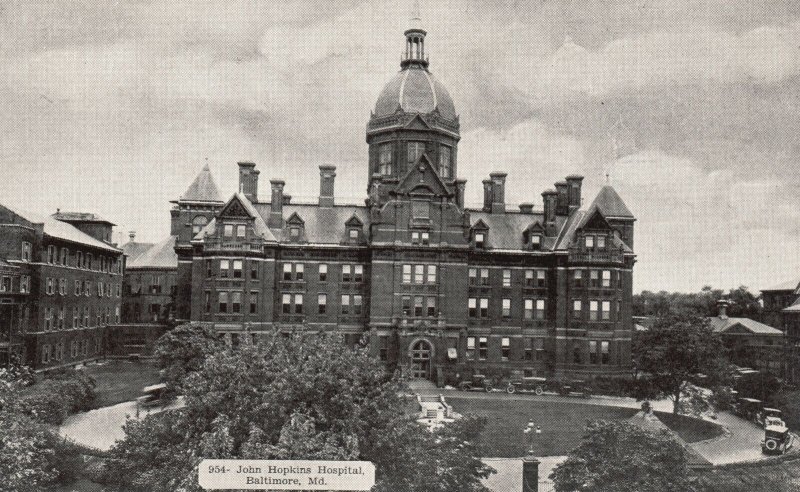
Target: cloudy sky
{"x":113,"y":107}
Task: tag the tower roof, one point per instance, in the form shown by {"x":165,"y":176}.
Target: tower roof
{"x":202,"y":189}
{"x":610,"y":203}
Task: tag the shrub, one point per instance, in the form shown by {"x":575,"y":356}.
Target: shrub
{"x":51,"y":400}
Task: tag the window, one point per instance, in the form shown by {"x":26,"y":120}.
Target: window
{"x":64,"y":255}
{"x":606,"y":278}
{"x":236,"y":302}
{"x":419,"y":274}
{"x":286,"y":303}
{"x":345,"y":304}
{"x":431,"y":304}
{"x":415,"y":237}
{"x":299,"y":271}
{"x":473,"y":276}
{"x":431,"y":274}
{"x":224,"y":267}
{"x":62,"y":286}
{"x":470,"y":353}
{"x":539,"y":312}
{"x":358,"y":273}
{"x":541,"y":278}
{"x":223,"y":302}
{"x":506,"y":308}
{"x":594,"y":278}
{"x":298,"y":304}
{"x":383,"y":348}
{"x":89,"y":261}
{"x":528,"y":278}
{"x":116,"y":313}
{"x":77,"y":287}
{"x":536,"y":241}
{"x":528,"y":309}
{"x":593,"y":309}
{"x":385,"y":159}
{"x":45,"y":353}
{"x":51,"y":254}
{"x":322,"y":303}
{"x":287,"y":271}
{"x":323,"y":272}
{"x":358,"y":302}
{"x":577,"y":278}
{"x":253,"y":270}
{"x":472,"y":306}
{"x":48,"y":318}
{"x":601,"y":242}
{"x":480,"y":238}
{"x":26,"y":251}
{"x":528,"y":349}
{"x":207,"y":303}
{"x":50,"y":289}
{"x":589,"y":242}
{"x":415,"y":150}
{"x":240,"y":231}
{"x":406,"y":305}
{"x":228,"y":230}
{"x":87,"y":288}
{"x":198,"y":223}
{"x":347,"y":273}
{"x":483,"y":348}
{"x":576,"y":354}
{"x":75,"y":317}
{"x":506,"y":278}
{"x":100,"y":289}
{"x":5,"y":285}
{"x":505,"y":348}
{"x":254,"y":302}
{"x":294,"y":232}
{"x":426,"y":238}
{"x":605,"y":358}
{"x":484,"y":276}
{"x":606,"y":310}
{"x":353,"y":234}
{"x":593,"y":352}
{"x":445,"y":166}
{"x":418,"y":306}
{"x":85,"y":316}
{"x":577,"y":309}
{"x":24,"y":284}
{"x":484,"y":308}
{"x":406,"y":274}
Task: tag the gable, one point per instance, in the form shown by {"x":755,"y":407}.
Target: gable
{"x":596,"y":221}
{"x":235,"y":209}
{"x":354,"y":221}
{"x":295,"y":219}
{"x":417,"y":123}
{"x":422,"y":179}
{"x":480,"y":226}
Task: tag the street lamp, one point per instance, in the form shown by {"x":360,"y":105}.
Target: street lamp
{"x":530,"y":431}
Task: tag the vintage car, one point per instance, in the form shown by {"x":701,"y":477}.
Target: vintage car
{"x":768,"y":414}
{"x":747,"y":408}
{"x":478,"y":382}
{"x":576,"y":387}
{"x":152,"y":395}
{"x":526,"y":385}
{"x":777,"y":438}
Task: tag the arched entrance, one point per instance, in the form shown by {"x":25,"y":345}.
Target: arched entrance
{"x":421,"y":359}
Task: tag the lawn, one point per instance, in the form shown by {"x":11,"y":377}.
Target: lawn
{"x":562,"y":424}
{"x":121,"y":380}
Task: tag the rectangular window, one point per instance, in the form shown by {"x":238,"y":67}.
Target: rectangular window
{"x":593,"y":352}
{"x":601,"y":242}
{"x":240,"y":231}
{"x":473,"y":276}
{"x":593,"y":310}
{"x":5,"y":284}
{"x":236,"y":302}
{"x":322,"y":303}
{"x":505,"y":348}
{"x":541,"y":278}
{"x":528,"y":278}
{"x":51,"y":254}
{"x":415,"y":237}
{"x":528,"y":309}
{"x":594,"y":278}
{"x":223,"y":302}
{"x":577,"y":308}
{"x":299,"y":272}
{"x":506,"y":308}
{"x":26,"y":251}
{"x":87,"y":288}
{"x":62,"y":286}
{"x":79,"y":259}
{"x":528,"y":349}
{"x":431,"y":305}
{"x":50,"y":287}
{"x":323,"y":273}
{"x":470,"y":353}
{"x":406,"y":305}
{"x":426,"y":238}
{"x":539,"y":312}
{"x":605,"y":357}
{"x":298,"y":304}
{"x":294,"y":232}
{"x":89,"y":261}
{"x":484,"y":276}
{"x":606,"y":310}
{"x":480,"y":239}
{"x":406,"y":274}
{"x":287,"y":271}
{"x":224,"y":267}
{"x":254,"y":302}
{"x":237,"y":268}
{"x":358,"y":302}
{"x":536,"y":241}
{"x":589,"y":242}
{"x":64,"y":255}
{"x":385,"y":159}
{"x":418,"y":306}
{"x":419,"y":274}
{"x":345,"y":304}
{"x":208,"y":269}
{"x":228,"y":230}
{"x":538,"y":346}
{"x":444,"y":161}
{"x":506,"y":278}
{"x":483,"y":348}
{"x":606,"y":278}
{"x":253,"y":270}
{"x":353,"y":234}
{"x":577,"y":278}
{"x":100,"y":289}
{"x":24,"y":284}
{"x":431,"y":274}
{"x":286,"y":304}
{"x":484,"y":308}
{"x":358,"y":273}
{"x":346,"y":273}
{"x":472,"y":306}
{"x":415,"y":149}
{"x":207,"y":297}
{"x":383,"y":348}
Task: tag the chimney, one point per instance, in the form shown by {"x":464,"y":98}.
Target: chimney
{"x":487,"y":195}
{"x":526,"y":208}
{"x":461,"y":186}
{"x":276,"y":205}
{"x":498,"y":192}
{"x":722,"y":305}
{"x":131,"y":235}
{"x":248,"y":180}
{"x":562,"y":200}
{"x":327,"y":174}
{"x":574,"y":196}
{"x":549,"y":198}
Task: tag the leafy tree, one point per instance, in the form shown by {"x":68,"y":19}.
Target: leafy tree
{"x":620,"y":456}
{"x":743,"y":303}
{"x":184,"y":349}
{"x":297,"y":397}
{"x":672,"y":353}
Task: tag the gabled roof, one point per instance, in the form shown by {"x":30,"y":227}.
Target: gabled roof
{"x":721,"y":325}
{"x":160,"y":255}
{"x":610,"y":204}
{"x":133,"y":249}
{"x":423,"y":175}
{"x":63,"y":230}
{"x":506,"y":230}
{"x":794,"y":308}
{"x":323,"y":225}
{"x":202,"y":189}
{"x":81,"y":217}
{"x":791,"y":285}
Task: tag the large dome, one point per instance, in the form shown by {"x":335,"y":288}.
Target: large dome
{"x":415,"y":90}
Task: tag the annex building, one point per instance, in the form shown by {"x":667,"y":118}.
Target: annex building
{"x":429,"y":285}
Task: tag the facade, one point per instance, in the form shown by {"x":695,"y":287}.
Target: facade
{"x":61,"y":286}
{"x":776,"y":299}
{"x":431,"y":286}
{"x":749,"y":342}
{"x":782,"y":309}
{"x":150,"y":284}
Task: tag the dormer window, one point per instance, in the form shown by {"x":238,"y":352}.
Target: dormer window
{"x":294,"y":232}
{"x":536,"y":241}
{"x":385,"y":159}
{"x":352,"y":234}
{"x":589,"y":242}
{"x":480,"y":239}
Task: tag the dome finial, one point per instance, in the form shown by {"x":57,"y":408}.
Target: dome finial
{"x":416,"y":18}
{"x":415,"y":41}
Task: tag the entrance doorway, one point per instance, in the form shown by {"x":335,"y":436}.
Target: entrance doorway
{"x":421,"y":360}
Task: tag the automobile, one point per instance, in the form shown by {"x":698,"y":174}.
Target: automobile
{"x":766,"y":414}
{"x":478,"y":382}
{"x":777,"y":438}
{"x":747,"y":408}
{"x":152,"y":395}
{"x":576,"y":387}
{"x":523,"y":384}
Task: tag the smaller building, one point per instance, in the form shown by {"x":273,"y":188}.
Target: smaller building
{"x":776,"y":299}
{"x":150,"y":283}
{"x":749,"y":342}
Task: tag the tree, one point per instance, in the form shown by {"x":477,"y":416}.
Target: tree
{"x":297,"y":397}
{"x":620,"y":456}
{"x":672,"y":353}
{"x":704,"y":303}
{"x":184,"y":349}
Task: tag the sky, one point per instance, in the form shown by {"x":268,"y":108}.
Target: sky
{"x":113,"y":107}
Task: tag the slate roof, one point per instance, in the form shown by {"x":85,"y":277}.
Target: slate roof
{"x":788,"y":285}
{"x":81,"y":217}
{"x":415,"y":90}
{"x":721,"y":325}
{"x":259,"y":224}
{"x":202,"y":189}
{"x":160,"y":255}
{"x":610,"y":203}
{"x":132,"y":249}
{"x":506,"y":230}
{"x":323,"y":225}
{"x":63,"y":230}
{"x":794,"y":308}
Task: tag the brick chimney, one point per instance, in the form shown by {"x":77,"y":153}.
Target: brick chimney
{"x":276,"y":205}
{"x":461,"y":186}
{"x":722,"y":305}
{"x":498,"y":192}
{"x":131,"y":235}
{"x":487,"y":195}
{"x":327,"y":174}
{"x":574,"y":193}
{"x":248,"y":180}
{"x":562,"y":201}
{"x":526,"y":208}
{"x":549,"y":198}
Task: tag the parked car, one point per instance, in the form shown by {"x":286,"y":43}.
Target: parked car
{"x":526,"y":385}
{"x":769,"y":414}
{"x":576,"y":387}
{"x":478,"y":382}
{"x":747,"y":408}
{"x":777,"y":438}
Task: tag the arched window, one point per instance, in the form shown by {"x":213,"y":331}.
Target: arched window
{"x":198,"y":223}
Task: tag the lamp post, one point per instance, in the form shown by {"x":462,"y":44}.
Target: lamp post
{"x":530,"y":431}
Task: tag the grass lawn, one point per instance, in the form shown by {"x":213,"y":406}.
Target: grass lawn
{"x":121,"y":380}
{"x":562,"y":424}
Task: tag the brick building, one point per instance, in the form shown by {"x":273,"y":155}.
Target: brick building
{"x":427,"y":283}
{"x":749,"y":342}
{"x":151,"y":281}
{"x":60,"y":287}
